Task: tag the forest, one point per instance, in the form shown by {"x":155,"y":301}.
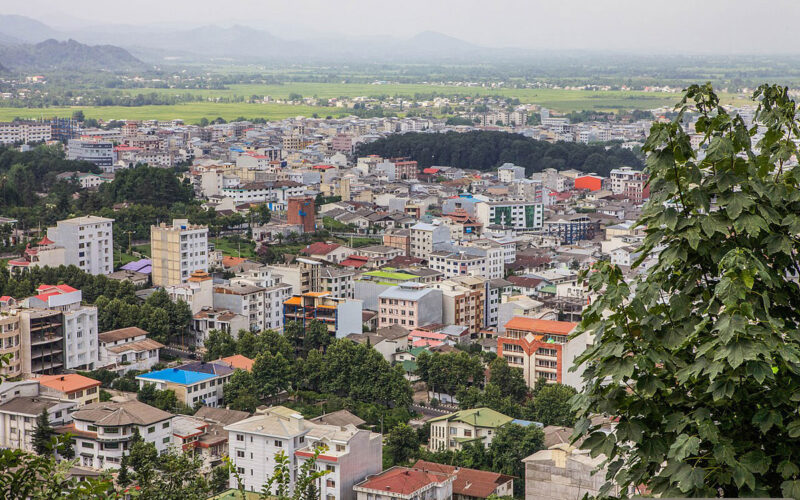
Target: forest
{"x":487,"y":150}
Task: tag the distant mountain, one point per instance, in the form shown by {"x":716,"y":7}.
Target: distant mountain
{"x":27,"y":30}
{"x":69,"y":55}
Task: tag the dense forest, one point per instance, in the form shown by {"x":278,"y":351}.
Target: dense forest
{"x":486,"y":150}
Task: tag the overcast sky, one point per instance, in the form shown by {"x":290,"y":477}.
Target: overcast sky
{"x":674,"y":26}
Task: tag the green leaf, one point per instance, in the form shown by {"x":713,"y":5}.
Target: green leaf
{"x":766,"y":419}
{"x":788,"y":469}
{"x":756,"y":461}
{"x":684,"y":446}
{"x":791,"y":489}
{"x":742,"y":476}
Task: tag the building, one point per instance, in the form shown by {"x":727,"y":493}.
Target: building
{"x":301,"y":211}
{"x":342,"y":316}
{"x":209,"y":318}
{"x":571,"y":228}
{"x":10,"y":344}
{"x":20,"y":404}
{"x":535,"y":346}
{"x":101,"y":153}
{"x":242,"y":298}
{"x":620,"y":177}
{"x":449,"y":432}
{"x":563,"y":471}
{"x":127,"y":349}
{"x":403,"y":483}
{"x":339,"y":282}
{"x":471,"y":484}
{"x":71,"y":386}
{"x":78,"y":327}
{"x":25,"y":132}
{"x":42,"y":338}
{"x":102,"y":432}
{"x":88,"y":243}
{"x":424,"y":237}
{"x":177,"y":251}
{"x":508,"y":172}
{"x":197,"y":383}
{"x":589,"y":182}
{"x":463,"y":302}
{"x":351,"y":455}
{"x":521,"y":216}
{"x":409,"y":305}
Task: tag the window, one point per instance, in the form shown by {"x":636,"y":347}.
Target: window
{"x":165,"y":425}
{"x":240,"y":437}
{"x":151,"y":430}
{"x":240,"y":453}
{"x":240,"y":470}
{"x":87,"y":445}
{"x":279,"y":444}
{"x":165,"y":440}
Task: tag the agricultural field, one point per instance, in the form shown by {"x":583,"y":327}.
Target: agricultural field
{"x":556,"y":99}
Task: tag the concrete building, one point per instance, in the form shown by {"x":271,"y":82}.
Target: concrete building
{"x":78,"y":325}
{"x":351,"y":455}
{"x":99,"y":152}
{"x":70,"y":386}
{"x":563,"y":471}
{"x":463,"y":302}
{"x":102,"y":432}
{"x":88,"y":243}
{"x":342,"y":316}
{"x":127,"y":349}
{"x":521,"y":216}
{"x":177,"y":251}
{"x":194,"y":383}
{"x":449,"y":432}
{"x":424,"y":237}
{"x":10,"y":344}
{"x":536,"y":347}
{"x":20,"y":404}
{"x":472,"y":484}
{"x":409,"y":305}
{"x":25,"y":132}
{"x":301,"y":211}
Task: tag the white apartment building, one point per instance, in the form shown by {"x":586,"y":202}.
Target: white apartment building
{"x":242,"y":298}
{"x":20,"y":404}
{"x":275,"y":293}
{"x":79,"y":324}
{"x":101,"y":153}
{"x":425,"y":236}
{"x":178,"y":251}
{"x":88,"y":243}
{"x":620,"y":177}
{"x":102,"y":432}
{"x":25,"y":132}
{"x":352,"y":454}
{"x":127,"y":349}
{"x":521,"y":216}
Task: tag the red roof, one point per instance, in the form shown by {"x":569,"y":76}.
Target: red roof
{"x":63,"y":288}
{"x":468,"y":482}
{"x":540,"y":325}
{"x":403,"y":480}
{"x":323,"y":167}
{"x":355,"y":261}
{"x":524,"y":282}
{"x":45,"y":241}
{"x":68,"y":382}
{"x":430,"y":170}
{"x":320,"y":248}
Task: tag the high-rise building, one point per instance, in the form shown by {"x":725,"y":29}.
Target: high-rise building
{"x":536,"y":347}
{"x":177,"y":251}
{"x":24,"y":132}
{"x":101,"y":153}
{"x":88,"y":243}
{"x":301,"y":211}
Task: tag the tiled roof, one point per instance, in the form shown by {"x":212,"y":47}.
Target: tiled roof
{"x":121,"y":334}
{"x":478,"y":417}
{"x":237,"y":361}
{"x":138,"y":346}
{"x":540,"y":325}
{"x":320,"y":248}
{"x":125,"y":413}
{"x":69,"y":382}
{"x":402,"y":480}
{"x":468,"y":482}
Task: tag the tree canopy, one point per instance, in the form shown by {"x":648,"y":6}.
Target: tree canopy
{"x":698,"y":359}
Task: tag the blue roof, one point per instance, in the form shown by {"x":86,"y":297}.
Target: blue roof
{"x":177,"y":376}
{"x":526,"y":423}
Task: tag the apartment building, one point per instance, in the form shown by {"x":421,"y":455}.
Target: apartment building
{"x":450,"y":432}
{"x":342,"y":316}
{"x":209,"y":318}
{"x":339,"y":282}
{"x":463,"y":302}
{"x":127,"y":349}
{"x":620,"y":177}
{"x":102,"y":432}
{"x":99,"y":152}
{"x":10,"y":344}
{"x":194,"y":383}
{"x":88,"y":243}
{"x":424,"y":237}
{"x":177,"y":251}
{"x":42,"y":338}
{"x":70,"y":386}
{"x":25,"y":132}
{"x":519,"y":215}
{"x":472,"y":484}
{"x":409,"y":305}
{"x":398,"y":238}
{"x":351,"y":454}
{"x":20,"y":404}
{"x":242,"y":298}
{"x":536,"y":347}
{"x":275,"y":293}
{"x":78,"y":325}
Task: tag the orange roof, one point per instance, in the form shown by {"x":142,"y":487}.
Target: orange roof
{"x":316,"y":294}
{"x":540,"y":325}
{"x":293,"y":301}
{"x":69,"y":382}
{"x":238,"y":361}
{"x":232,"y":261}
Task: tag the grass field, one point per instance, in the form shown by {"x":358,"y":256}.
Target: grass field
{"x":246,"y":249}
{"x":556,"y":99}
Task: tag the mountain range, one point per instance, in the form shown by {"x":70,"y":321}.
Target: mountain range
{"x":67,"y":55}
{"x":242,"y":44}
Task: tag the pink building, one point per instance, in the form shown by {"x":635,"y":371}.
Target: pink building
{"x":421,"y":338}
{"x":409,"y":305}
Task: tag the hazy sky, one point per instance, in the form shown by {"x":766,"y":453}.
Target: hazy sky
{"x":676,"y":26}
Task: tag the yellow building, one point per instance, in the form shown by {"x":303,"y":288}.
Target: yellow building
{"x":177,"y":251}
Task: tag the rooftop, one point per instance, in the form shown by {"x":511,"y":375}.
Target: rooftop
{"x":479,"y":417}
{"x":540,"y":325}
{"x":176,"y":376}
{"x":69,"y":382}
{"x":402,"y":480}
{"x":125,"y":413}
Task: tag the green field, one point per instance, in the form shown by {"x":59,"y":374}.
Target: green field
{"x":244,"y":249}
{"x":556,"y":99}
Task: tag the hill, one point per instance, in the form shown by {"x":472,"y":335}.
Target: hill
{"x":69,"y":55}
{"x":23,"y":29}
{"x":486,"y":150}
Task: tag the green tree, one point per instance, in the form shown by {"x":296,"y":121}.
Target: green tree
{"x":241,"y":391}
{"x":510,"y":445}
{"x":272,"y":374}
{"x":401,"y":446}
{"x":552,"y":405}
{"x":122,"y":478}
{"x":698,"y":359}
{"x":43,"y":435}
{"x":219,"y":345}
{"x":510,"y":380}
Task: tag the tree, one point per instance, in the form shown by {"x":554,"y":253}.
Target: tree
{"x":219,"y":345}
{"x":508,"y":379}
{"x":401,"y":445}
{"x":698,"y":359}
{"x":241,"y":391}
{"x":78,"y":115}
{"x":279,"y":484}
{"x":552,"y":405}
{"x":43,"y":435}
{"x":122,"y":478}
{"x":272,"y":374}
{"x":510,"y":445}
{"x":316,"y":336}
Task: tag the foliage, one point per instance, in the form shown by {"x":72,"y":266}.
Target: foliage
{"x":279,"y":484}
{"x":486,"y":150}
{"x":448,"y":372}
{"x":147,"y":186}
{"x":43,"y":434}
{"x":402,"y":444}
{"x":241,"y":391}
{"x":219,"y":344}
{"x":164,"y":400}
{"x":272,"y":374}
{"x":699,"y":358}
{"x":552,"y":405}
{"x":168,"y":475}
{"x":510,"y":380}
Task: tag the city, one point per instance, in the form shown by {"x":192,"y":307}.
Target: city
{"x":228,"y":275}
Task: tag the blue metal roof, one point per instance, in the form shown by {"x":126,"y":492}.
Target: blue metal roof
{"x":177,"y":376}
